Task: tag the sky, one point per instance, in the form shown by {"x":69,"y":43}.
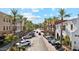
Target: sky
{"x":37,"y":15}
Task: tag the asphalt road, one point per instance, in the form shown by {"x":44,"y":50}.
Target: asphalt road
{"x":37,"y":44}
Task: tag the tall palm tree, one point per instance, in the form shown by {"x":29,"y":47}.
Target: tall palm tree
{"x":62,"y":16}
{"x":46,"y":22}
{"x":55,"y":19}
{"x":14,"y":15}
{"x":21,"y":19}
{"x":24,"y":24}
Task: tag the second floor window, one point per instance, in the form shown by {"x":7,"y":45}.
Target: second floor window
{"x":6,"y":27}
{"x":3,"y":27}
{"x":9,"y":21}
{"x":4,"y":19}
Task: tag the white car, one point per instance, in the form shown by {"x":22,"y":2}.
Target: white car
{"x":23,"y":43}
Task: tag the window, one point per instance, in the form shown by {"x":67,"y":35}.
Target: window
{"x":71,"y":26}
{"x":74,"y":42}
{"x":4,"y":19}
{"x":9,"y":21}
{"x":3,"y":27}
{"x":9,"y":27}
{"x":6,"y":27}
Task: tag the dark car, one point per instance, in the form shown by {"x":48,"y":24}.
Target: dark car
{"x":36,"y":31}
{"x":75,"y":50}
{"x":39,"y":33}
{"x":32,"y":34}
{"x":57,"y":45}
{"x":51,"y":39}
{"x":61,"y":49}
{"x":1,"y":39}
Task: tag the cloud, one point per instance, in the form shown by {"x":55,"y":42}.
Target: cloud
{"x":35,"y":10}
{"x":69,"y":18}
{"x":30,"y":16}
{"x":45,"y":15}
{"x":53,"y":9}
{"x":51,"y":14}
{"x":41,"y":8}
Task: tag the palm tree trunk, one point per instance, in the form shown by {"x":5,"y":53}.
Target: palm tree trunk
{"x":14,"y":27}
{"x":61,"y":31}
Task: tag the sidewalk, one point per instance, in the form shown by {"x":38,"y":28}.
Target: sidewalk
{"x":66,"y":48}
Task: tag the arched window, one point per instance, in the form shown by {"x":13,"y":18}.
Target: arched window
{"x":71,"y":26}
{"x":58,"y":37}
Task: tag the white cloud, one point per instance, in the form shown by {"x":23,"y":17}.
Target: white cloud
{"x":69,"y":18}
{"x":53,"y":9}
{"x":51,"y":14}
{"x":30,"y":16}
{"x":41,"y":8}
{"x":35,"y":10}
{"x":45,"y":15}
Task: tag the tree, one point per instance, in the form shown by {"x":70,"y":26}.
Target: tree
{"x":45,"y":24}
{"x":24,"y":24}
{"x":22,"y":21}
{"x":49,"y":24}
{"x":29,"y":26}
{"x":14,"y":15}
{"x":62,"y":16}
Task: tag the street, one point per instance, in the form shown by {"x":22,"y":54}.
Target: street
{"x":37,"y":44}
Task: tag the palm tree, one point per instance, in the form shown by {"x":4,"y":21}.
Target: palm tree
{"x":14,"y":15}
{"x":24,"y":25}
{"x":45,"y":24}
{"x":62,"y":15}
{"x":21,"y":19}
{"x":55,"y":19}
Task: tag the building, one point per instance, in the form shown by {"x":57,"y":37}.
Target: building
{"x":6,"y":25}
{"x":71,"y":28}
{"x":19,"y":26}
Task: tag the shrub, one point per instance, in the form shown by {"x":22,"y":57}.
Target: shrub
{"x":10,"y":38}
{"x":66,"y":40}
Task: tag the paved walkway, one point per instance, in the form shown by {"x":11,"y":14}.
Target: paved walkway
{"x":37,"y":44}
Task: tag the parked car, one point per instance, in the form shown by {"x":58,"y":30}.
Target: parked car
{"x":50,"y":39}
{"x":54,"y":42}
{"x":39,"y":33}
{"x":57,"y":45}
{"x":75,"y":50}
{"x":32,"y":34}
{"x":2,"y":39}
{"x":24,"y":38}
{"x":23,"y":43}
{"x":61,"y":49}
